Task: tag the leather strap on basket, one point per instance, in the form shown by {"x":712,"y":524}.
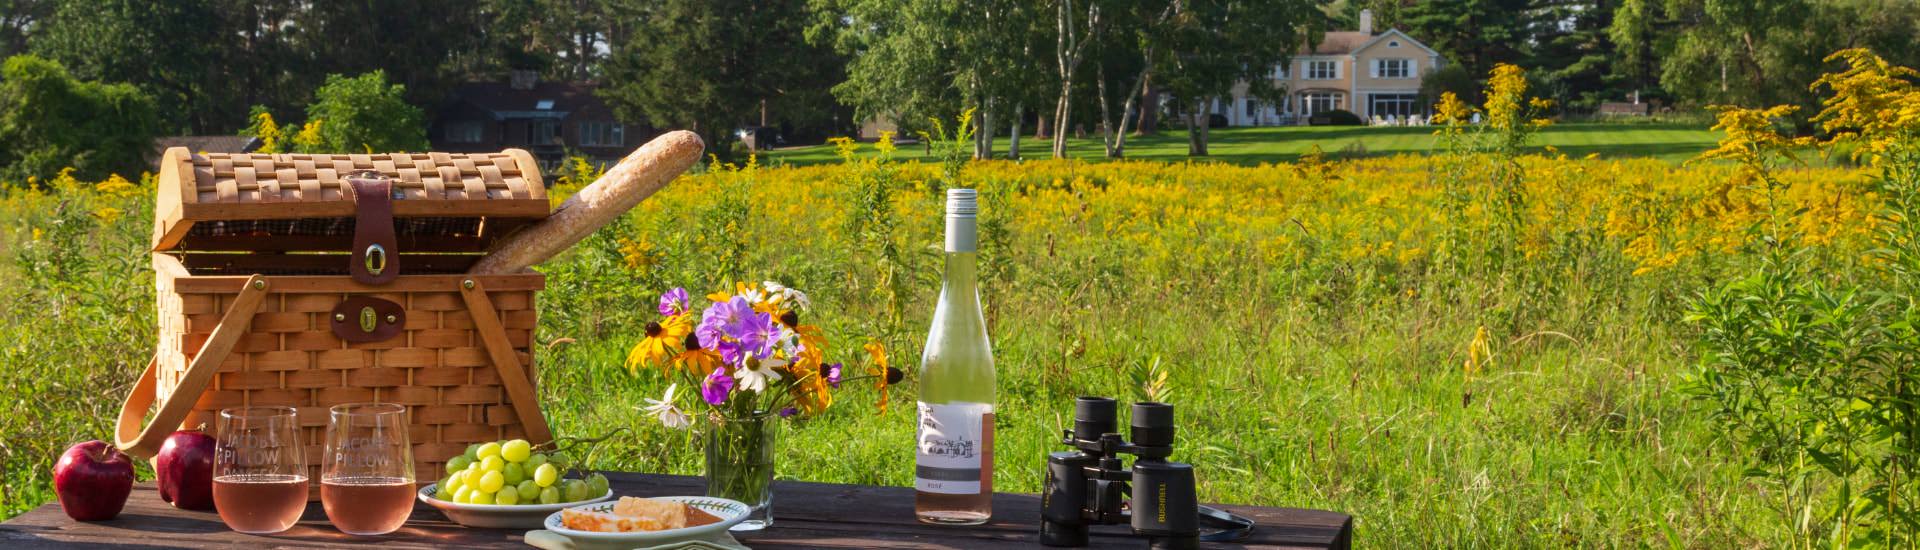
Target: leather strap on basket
{"x":376,"y":254}
{"x":129,"y":436}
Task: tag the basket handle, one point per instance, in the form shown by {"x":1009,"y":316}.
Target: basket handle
{"x":145,"y":442}
{"x":493,"y":336}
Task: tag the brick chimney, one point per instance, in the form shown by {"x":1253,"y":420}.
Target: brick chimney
{"x":1366,"y":22}
{"x":522,"y":79}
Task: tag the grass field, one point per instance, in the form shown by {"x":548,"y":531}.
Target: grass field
{"x":1669,"y":142}
{"x":1315,"y":324}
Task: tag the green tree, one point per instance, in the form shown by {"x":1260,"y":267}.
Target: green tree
{"x":1573,"y":54}
{"x":361,"y":114}
{"x":1475,"y":33}
{"x":925,"y":59}
{"x":172,"y":50}
{"x":1756,"y":52}
{"x":710,"y":66}
{"x":17,"y":21}
{"x":50,"y":121}
{"x":1209,"y":45}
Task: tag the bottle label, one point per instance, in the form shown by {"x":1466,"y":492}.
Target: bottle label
{"x":955,"y":443}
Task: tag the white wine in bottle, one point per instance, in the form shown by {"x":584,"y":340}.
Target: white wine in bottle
{"x":953,"y":463}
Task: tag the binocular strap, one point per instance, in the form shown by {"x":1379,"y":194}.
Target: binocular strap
{"x":1233,"y":527}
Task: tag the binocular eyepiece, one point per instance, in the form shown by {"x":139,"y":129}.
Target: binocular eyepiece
{"x":1094,"y":417}
{"x":1084,"y":487}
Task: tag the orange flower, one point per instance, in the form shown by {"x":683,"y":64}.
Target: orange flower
{"x":883,"y":376}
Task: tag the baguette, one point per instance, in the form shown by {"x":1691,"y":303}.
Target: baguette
{"x":638,"y":176}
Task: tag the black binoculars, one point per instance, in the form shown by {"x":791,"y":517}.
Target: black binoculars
{"x":1085,"y":486}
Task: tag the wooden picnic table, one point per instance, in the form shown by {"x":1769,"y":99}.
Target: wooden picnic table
{"x":806,"y":515}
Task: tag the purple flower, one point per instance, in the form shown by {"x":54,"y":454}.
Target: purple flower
{"x":715,"y":388}
{"x":735,"y":330}
{"x":674,"y":301}
{"x":831,"y":372}
{"x":789,"y":411}
{"x":713,"y":321}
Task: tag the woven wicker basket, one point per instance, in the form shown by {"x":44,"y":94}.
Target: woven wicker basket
{"x":282,"y":281}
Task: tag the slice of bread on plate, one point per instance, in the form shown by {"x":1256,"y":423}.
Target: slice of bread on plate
{"x":637,"y":514}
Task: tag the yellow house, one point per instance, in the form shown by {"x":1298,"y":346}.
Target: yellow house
{"x":1376,"y":76}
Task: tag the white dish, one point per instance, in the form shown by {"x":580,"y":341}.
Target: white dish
{"x":730,"y":512}
{"x":499,"y":516}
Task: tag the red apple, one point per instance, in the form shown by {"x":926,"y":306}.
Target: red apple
{"x":184,"y":469}
{"x":93,"y":480}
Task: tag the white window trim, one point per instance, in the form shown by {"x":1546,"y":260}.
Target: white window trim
{"x":1379,"y":66}
{"x":1308,"y":69}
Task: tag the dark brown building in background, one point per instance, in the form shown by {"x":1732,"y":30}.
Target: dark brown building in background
{"x":549,"y":119}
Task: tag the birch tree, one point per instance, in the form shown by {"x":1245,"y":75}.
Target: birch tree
{"x":1071,"y":49}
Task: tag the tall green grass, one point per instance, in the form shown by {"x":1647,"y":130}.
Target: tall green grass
{"x":1311,"y":379}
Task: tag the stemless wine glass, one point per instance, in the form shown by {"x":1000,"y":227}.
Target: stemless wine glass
{"x":366,"y":479}
{"x":259,"y":469}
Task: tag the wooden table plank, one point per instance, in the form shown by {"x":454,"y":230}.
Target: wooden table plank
{"x":806,"y":515}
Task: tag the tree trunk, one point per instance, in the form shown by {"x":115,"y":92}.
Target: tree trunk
{"x":1071,"y":49}
{"x":1196,"y":131}
{"x":983,"y":132}
{"x":1106,"y":108}
{"x":1149,"y":105}
{"x":1043,"y":129}
{"x":1062,"y":113}
{"x":1013,"y":138}
{"x":764,"y":119}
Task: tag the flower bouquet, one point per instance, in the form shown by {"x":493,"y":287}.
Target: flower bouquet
{"x":752,"y":363}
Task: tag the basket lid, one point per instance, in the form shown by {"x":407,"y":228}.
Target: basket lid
{"x":443,"y":202}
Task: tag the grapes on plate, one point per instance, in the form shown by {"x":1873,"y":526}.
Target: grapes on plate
{"x":509,"y":472}
{"x":517,"y":450}
{"x":546,"y":475}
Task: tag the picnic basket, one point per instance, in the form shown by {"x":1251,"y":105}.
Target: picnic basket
{"x":317,"y":280}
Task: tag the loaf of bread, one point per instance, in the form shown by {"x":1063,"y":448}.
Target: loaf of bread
{"x":638,"y":176}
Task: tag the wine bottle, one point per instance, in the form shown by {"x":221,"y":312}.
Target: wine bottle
{"x":953,"y":462}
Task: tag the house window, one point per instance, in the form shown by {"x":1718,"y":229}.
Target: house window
{"x":542,"y":132}
{"x":462,"y":131}
{"x":600,"y":133}
{"x":1280,"y":72}
{"x":1323,"y":70}
{"x":1392,"y":68}
{"x":1251,"y":107}
{"x":1393,"y":43}
{"x":1313,"y":103}
{"x":1392,"y":105}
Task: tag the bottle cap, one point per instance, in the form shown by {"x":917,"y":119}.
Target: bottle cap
{"x":962,"y":203}
{"x":962,"y":233}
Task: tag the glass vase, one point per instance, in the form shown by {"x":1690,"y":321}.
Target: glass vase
{"x":740,"y":455}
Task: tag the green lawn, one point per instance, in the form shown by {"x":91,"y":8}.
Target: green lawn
{"x":1669,"y":142}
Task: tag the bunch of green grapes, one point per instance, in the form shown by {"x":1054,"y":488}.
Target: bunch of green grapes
{"x":509,"y":472}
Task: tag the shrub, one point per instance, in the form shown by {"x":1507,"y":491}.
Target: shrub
{"x":361,"y":114}
{"x":49,"y":121}
{"x":1336,"y":117}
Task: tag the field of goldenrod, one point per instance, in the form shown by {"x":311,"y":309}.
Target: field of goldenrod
{"x":1369,"y":336}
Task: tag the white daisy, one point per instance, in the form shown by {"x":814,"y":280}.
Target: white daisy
{"x":663,"y":408}
{"x":789,"y":295}
{"x":755,"y":378}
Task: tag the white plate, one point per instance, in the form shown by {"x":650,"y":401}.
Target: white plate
{"x":730,"y":512}
{"x":499,"y":516}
